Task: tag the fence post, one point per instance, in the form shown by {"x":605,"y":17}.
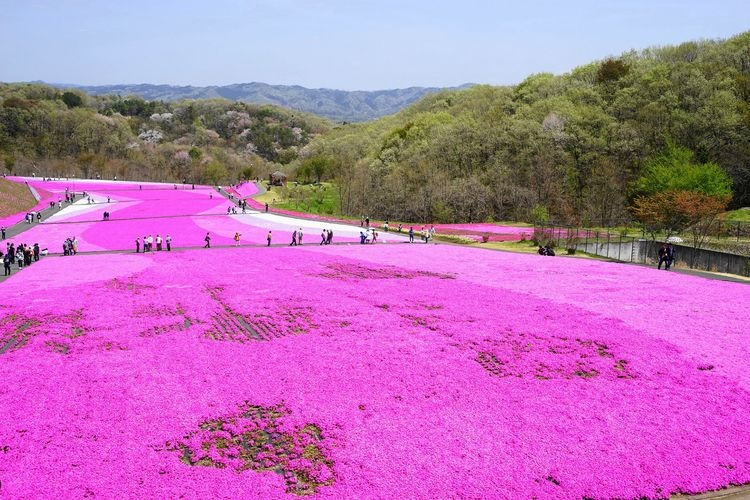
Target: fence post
{"x":619,"y":250}
{"x":608,"y":245}
{"x":587,"y":240}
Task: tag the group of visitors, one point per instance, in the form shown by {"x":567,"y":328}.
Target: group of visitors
{"x":326,"y":237}
{"x":368,"y":236}
{"x":22,"y":254}
{"x":546,"y":250}
{"x":425,"y":234}
{"x":70,"y":246}
{"x":29,"y":217}
{"x":297,"y":238}
{"x":148,"y":243}
{"x":666,"y":256}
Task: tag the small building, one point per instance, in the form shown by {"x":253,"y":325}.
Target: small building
{"x":277,"y":178}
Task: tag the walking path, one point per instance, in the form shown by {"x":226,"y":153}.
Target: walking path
{"x":20,"y":227}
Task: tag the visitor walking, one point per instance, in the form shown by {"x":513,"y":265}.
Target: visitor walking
{"x":294,"y":239}
{"x":323,"y":235}
{"x":411,"y":234}
{"x":2,"y":230}
{"x":6,"y":264}
{"x":158,"y":243}
{"x":168,"y":240}
{"x":299,"y":236}
{"x":36,"y":251}
{"x":137,"y":245}
{"x":207,"y":239}
{"x":237,"y":239}
{"x":329,"y":238}
{"x":268,"y":237}
{"x":266,"y":207}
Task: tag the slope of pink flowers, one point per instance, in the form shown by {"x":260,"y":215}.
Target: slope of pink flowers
{"x":181,"y":211}
{"x":398,"y":371}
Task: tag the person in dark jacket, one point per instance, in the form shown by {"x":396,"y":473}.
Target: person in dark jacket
{"x":670,"y":256}
{"x":663,"y":257}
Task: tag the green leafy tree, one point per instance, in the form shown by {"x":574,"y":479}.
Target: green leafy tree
{"x":317,"y":166}
{"x":676,"y":169}
{"x":72,"y":100}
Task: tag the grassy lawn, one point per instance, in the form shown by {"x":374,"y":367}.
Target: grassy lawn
{"x":319,"y":199}
{"x":14,"y":198}
{"x":739,"y":215}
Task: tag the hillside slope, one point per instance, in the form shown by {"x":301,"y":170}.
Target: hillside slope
{"x":14,"y":198}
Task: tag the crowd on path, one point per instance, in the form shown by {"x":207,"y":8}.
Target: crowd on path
{"x":149,"y":241}
{"x":23,"y":255}
{"x":70,"y":246}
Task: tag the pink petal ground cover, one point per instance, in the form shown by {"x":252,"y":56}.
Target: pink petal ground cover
{"x":477,"y":231}
{"x":393,"y":371}
{"x":186,"y":214}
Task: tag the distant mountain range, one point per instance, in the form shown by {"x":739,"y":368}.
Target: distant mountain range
{"x":338,"y":105}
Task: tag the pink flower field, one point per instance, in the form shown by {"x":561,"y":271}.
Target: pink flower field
{"x":393,"y":371}
{"x":141,"y":209}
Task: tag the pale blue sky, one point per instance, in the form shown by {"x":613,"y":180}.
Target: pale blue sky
{"x":347,"y":44}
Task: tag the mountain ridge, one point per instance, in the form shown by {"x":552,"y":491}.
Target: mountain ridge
{"x":337,"y":105}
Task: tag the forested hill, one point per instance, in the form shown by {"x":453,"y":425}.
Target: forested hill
{"x":569,"y":146}
{"x":337,"y":105}
{"x":51,"y":132}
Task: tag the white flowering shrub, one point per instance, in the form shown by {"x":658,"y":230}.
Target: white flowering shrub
{"x":151,"y":136}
